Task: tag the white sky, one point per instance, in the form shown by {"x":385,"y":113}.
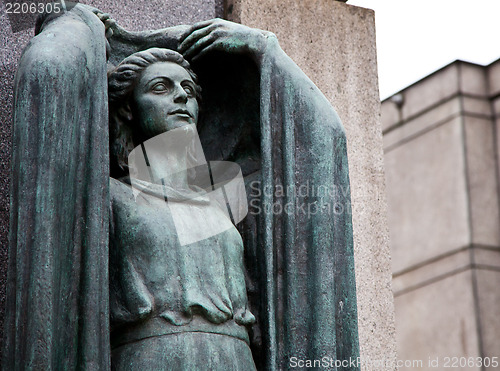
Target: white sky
{"x":417,"y":37}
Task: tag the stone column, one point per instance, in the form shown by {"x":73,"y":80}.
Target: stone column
{"x":334,"y":44}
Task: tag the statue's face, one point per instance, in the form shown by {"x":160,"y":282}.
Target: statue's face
{"x":164,"y":99}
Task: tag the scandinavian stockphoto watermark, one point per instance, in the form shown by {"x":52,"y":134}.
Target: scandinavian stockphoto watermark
{"x":305,"y":199}
{"x":22,"y":13}
{"x":352,"y":363}
{"x":390,"y":364}
{"x":173,"y":166}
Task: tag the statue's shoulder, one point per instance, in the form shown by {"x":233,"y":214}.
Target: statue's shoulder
{"x":119,"y":190}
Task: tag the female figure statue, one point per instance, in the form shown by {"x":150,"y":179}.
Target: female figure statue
{"x":87,"y":280}
{"x":173,"y":307}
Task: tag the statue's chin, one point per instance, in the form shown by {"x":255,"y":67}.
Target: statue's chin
{"x":178,"y":123}
{"x":184,"y":130}
{"x":178,"y":135}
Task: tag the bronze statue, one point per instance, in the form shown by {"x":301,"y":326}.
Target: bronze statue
{"x":184,"y":303}
{"x":98,"y":277}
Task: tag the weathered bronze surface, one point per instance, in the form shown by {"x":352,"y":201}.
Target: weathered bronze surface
{"x":99,"y":277}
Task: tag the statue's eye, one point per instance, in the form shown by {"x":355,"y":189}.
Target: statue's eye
{"x":159,"y":88}
{"x":189,"y":90}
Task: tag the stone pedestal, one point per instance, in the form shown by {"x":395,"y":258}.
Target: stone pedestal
{"x":334,"y":44}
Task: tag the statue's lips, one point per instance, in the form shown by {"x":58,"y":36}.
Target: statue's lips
{"x":182,"y":113}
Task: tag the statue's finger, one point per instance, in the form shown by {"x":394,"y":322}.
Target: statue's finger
{"x":185,"y":34}
{"x":203,"y":24}
{"x":109,"y":23}
{"x":103,"y":16}
{"x":195,"y":27}
{"x":199,"y":45}
{"x":213,"y":46}
{"x":109,"y":33}
{"x":194,"y":37}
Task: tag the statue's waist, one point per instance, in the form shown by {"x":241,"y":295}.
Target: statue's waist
{"x":159,"y":326}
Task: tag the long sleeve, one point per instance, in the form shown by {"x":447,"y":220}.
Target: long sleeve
{"x":309,"y":264}
{"x":57,"y":290}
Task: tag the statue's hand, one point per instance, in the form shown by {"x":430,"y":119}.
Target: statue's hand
{"x":218,"y":34}
{"x":109,"y":23}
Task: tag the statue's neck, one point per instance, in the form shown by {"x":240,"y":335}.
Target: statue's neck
{"x":169,"y":166}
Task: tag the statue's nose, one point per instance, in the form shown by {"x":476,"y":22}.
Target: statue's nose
{"x":180,"y":95}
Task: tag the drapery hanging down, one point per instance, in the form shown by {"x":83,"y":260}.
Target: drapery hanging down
{"x":309,"y":252}
{"x":57,"y":289}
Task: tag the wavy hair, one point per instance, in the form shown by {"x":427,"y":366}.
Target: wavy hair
{"x":122,"y":81}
